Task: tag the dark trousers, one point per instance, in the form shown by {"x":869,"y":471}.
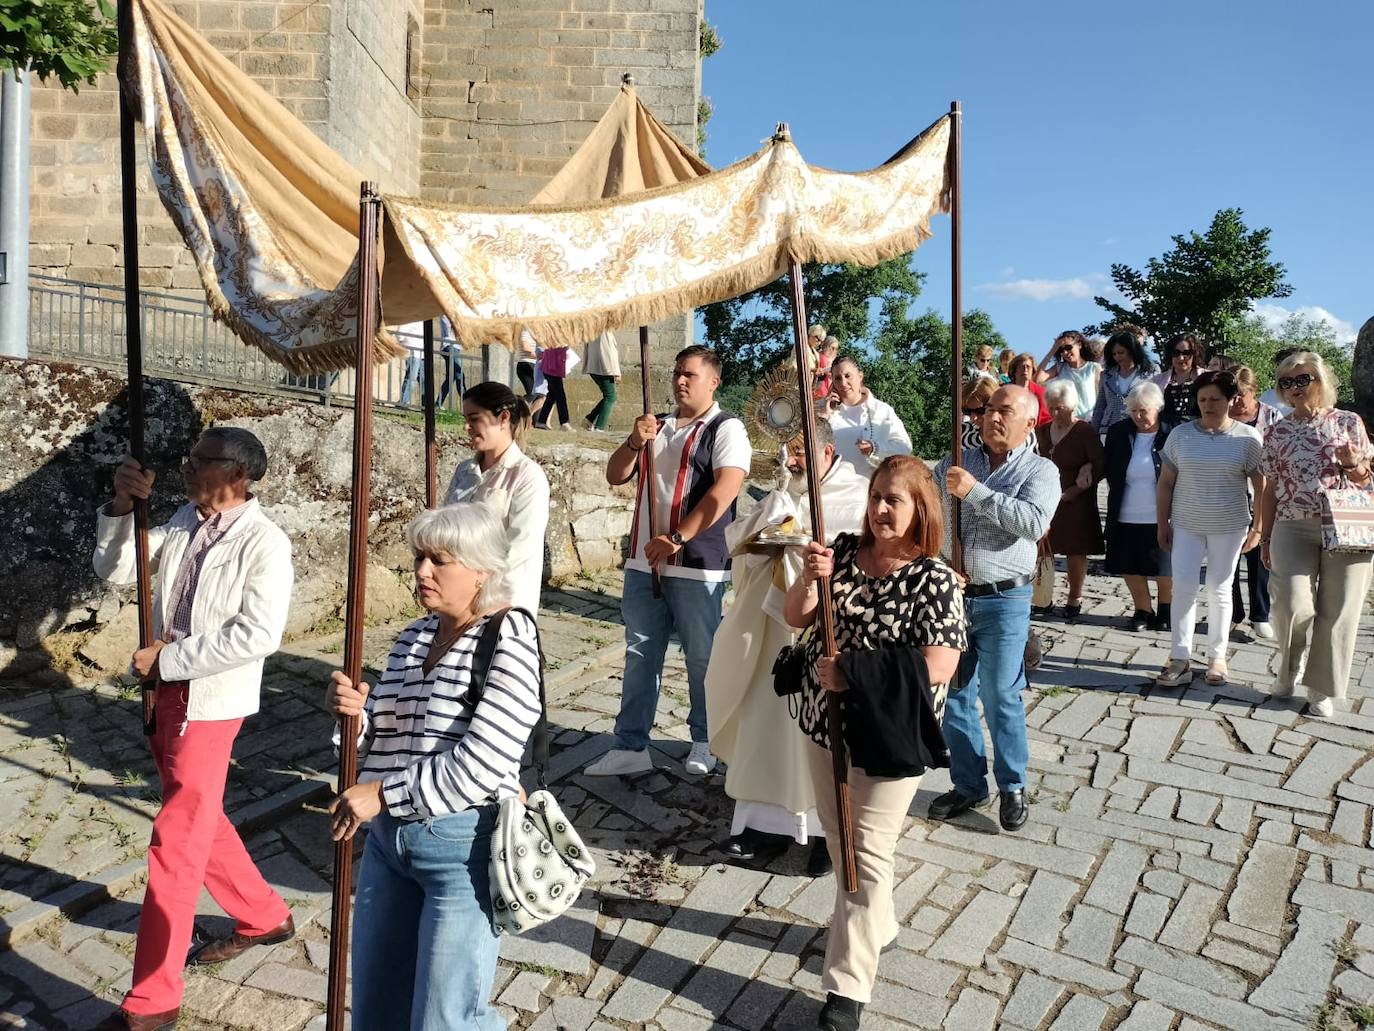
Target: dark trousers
{"x":557,"y":398}
{"x":524,"y":371}
{"x":1258,"y":579}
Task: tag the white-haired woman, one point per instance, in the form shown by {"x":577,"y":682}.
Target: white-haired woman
{"x":1073,"y":446}
{"x":1203,"y":508}
{"x":433,"y":770}
{"x":1132,"y":454}
{"x":1313,"y":590}
{"x":866,"y":430}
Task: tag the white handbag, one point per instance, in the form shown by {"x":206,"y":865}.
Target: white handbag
{"x":538,"y":861}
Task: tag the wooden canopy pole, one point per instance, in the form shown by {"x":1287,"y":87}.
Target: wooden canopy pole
{"x":133,"y":344}
{"x":839,"y":753}
{"x":646,"y":457}
{"x":431,"y":445}
{"x":956,"y":323}
{"x":369,"y":208}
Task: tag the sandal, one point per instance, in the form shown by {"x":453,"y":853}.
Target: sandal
{"x":1216,"y":673}
{"x":1072,"y":610}
{"x":1176,"y":673}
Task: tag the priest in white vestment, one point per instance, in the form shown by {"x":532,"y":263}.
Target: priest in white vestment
{"x":750,"y":727}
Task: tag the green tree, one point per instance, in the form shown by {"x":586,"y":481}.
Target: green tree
{"x":1206,"y":284}
{"x":1254,"y":343}
{"x":905,"y":357}
{"x":857,"y":304}
{"x":71,"y":39}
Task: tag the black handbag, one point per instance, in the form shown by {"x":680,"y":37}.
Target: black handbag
{"x":789,"y":668}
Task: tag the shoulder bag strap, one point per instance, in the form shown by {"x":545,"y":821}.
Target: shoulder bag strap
{"x":481,"y":663}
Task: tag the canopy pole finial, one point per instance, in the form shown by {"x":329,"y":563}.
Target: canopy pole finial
{"x":782,"y":134}
{"x":627,"y":80}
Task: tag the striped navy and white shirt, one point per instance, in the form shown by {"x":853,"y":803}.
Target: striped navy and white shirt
{"x":434,"y":753}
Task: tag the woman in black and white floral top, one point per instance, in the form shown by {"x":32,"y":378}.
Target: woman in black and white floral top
{"x":899,"y":628}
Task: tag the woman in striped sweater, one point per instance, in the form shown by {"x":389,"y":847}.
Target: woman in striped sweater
{"x":434,"y":767}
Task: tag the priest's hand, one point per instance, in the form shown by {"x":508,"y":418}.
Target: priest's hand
{"x":828,"y":673}
{"x":818,"y":562}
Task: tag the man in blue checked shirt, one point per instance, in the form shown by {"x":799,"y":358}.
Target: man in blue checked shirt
{"x":1007,"y":495}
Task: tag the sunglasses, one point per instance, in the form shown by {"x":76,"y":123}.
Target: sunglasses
{"x":1302,"y":379}
{"x":1184,"y":354}
{"x":976,"y":411}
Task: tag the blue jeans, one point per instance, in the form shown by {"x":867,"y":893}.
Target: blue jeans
{"x":414,"y":369}
{"x":424,"y":953}
{"x":991,"y":671}
{"x":692,"y":608}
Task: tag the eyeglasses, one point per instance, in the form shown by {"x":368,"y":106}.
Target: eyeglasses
{"x":1302,"y":379}
{"x":195,"y":463}
{"x":976,"y":411}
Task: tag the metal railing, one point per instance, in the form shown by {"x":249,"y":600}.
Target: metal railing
{"x":83,"y":323}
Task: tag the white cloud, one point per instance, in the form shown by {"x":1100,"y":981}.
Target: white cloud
{"x":1275,"y":315}
{"x":1078,"y":288}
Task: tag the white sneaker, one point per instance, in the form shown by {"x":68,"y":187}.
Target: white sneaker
{"x":700,"y":761}
{"x":569,"y":428}
{"x":620,"y":762}
{"x":1319,"y":708}
{"x":1264,"y":631}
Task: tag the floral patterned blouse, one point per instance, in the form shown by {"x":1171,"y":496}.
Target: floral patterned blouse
{"x":918,"y":605}
{"x":1300,"y":457}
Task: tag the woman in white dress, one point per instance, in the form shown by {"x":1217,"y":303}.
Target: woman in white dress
{"x":503,"y":477}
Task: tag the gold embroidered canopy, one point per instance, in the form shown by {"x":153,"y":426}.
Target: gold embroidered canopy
{"x":270,"y":215}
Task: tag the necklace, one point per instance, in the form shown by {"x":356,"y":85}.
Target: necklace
{"x":439,"y":646}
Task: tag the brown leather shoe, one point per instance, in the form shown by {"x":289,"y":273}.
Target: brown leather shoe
{"x":122,"y":1020}
{"x":227,"y":948}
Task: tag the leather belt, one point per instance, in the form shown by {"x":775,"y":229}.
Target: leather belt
{"x":979,"y":590}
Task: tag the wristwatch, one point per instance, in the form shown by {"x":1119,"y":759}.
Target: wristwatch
{"x":676,"y":538}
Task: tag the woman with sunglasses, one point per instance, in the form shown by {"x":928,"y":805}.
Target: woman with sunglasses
{"x":1184,"y":355}
{"x":1203,"y":511}
{"x":1071,"y":359}
{"x":1314,"y":450}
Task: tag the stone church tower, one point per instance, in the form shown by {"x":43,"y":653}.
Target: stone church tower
{"x":467,"y":101}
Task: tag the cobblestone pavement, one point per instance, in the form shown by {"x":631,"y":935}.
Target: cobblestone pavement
{"x":1195,"y":858}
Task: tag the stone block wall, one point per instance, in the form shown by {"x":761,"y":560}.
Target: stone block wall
{"x":59,"y":448}
{"x":337,"y":65}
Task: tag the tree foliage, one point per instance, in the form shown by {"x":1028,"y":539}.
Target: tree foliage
{"x":1254,"y":343}
{"x":1206,"y":284}
{"x":905,"y":357}
{"x":71,"y":39}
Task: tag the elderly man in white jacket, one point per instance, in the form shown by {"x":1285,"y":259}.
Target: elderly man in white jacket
{"x":223,"y":589}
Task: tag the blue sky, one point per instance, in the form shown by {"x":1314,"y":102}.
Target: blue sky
{"x":1092,"y":132}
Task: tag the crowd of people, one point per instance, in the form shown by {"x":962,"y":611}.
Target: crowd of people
{"x":930,"y":633}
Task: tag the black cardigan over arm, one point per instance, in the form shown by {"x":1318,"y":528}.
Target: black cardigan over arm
{"x":891,"y":725}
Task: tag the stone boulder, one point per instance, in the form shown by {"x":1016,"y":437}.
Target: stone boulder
{"x":1362,"y":373}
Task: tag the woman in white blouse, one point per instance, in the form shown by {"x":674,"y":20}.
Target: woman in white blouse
{"x":433,"y":769}
{"x":866,"y":430}
{"x":503,"y":477}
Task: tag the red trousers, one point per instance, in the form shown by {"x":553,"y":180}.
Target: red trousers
{"x":193,"y":845}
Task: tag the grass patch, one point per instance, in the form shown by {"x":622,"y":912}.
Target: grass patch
{"x":1061,"y":805}
{"x":1363,"y":1015}
{"x":1055,"y":690}
{"x":537,"y":968}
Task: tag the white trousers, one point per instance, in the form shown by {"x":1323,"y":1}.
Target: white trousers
{"x":1221,"y":551}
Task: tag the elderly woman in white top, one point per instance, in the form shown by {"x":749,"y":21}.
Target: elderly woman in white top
{"x":1314,"y":590}
{"x":503,"y":477}
{"x":434,"y":767}
{"x":866,"y":430}
{"x":1203,"y":510}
